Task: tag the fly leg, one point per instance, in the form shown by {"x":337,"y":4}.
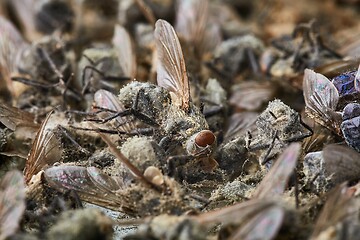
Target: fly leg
{"x":103,"y":82}
{"x":104,"y":79}
{"x":134,"y":110}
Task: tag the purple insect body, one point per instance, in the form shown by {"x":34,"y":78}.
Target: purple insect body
{"x":345,"y":83}
{"x":350,"y":126}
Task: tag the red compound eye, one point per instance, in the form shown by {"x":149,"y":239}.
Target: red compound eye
{"x":204,"y":138}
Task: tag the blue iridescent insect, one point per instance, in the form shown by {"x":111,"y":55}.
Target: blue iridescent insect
{"x":345,"y":83}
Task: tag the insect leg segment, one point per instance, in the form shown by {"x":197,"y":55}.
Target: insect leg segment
{"x":137,"y":113}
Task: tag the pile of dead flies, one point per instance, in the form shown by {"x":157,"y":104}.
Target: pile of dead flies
{"x":188,"y":119}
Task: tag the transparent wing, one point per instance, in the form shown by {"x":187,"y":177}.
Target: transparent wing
{"x":341,"y":163}
{"x":276,"y":179}
{"x":24,"y":10}
{"x":13,"y":117}
{"x":321,"y":98}
{"x":265,"y":225}
{"x":11,"y":47}
{"x":171,"y":70}
{"x":191,"y":19}
{"x":107,"y":100}
{"x":125,"y":50}
{"x":12,"y":203}
{"x":90,"y":183}
{"x":252,"y":95}
{"x":45,"y":151}
{"x":239,"y":123}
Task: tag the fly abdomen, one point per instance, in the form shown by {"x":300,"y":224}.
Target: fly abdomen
{"x":350,"y":126}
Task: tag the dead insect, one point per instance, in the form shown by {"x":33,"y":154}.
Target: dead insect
{"x":168,"y":105}
{"x":310,"y":52}
{"x":232,"y":54}
{"x":321,"y":98}
{"x":194,"y":24}
{"x":136,"y":199}
{"x":276,"y":126}
{"x":12,"y":203}
{"x":101,"y":66}
{"x":351,"y":124}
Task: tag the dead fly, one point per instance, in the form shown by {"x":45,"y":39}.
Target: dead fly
{"x":233,"y":54}
{"x":322,"y":98}
{"x":25,"y":63}
{"x":252,"y":95}
{"x":276,"y":126}
{"x":100,"y":67}
{"x":149,"y":192}
{"x":292,"y":54}
{"x":12,"y":203}
{"x":168,"y":105}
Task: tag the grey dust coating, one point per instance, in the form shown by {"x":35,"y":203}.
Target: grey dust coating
{"x":155,"y":103}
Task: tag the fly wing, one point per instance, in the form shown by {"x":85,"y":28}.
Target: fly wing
{"x":12,"y":203}
{"x":191,"y":19}
{"x":91,"y":184}
{"x":252,"y":218}
{"x":45,"y":151}
{"x":276,"y":179}
{"x":252,"y":95}
{"x":321,"y":98}
{"x":264,"y":225}
{"x":13,"y":117}
{"x":24,"y":11}
{"x":235,"y":214}
{"x":341,"y":163}
{"x":195,"y":26}
{"x":11,"y":46}
{"x":339,"y":205}
{"x":239,"y":123}
{"x":171,"y":70}
{"x":107,"y":100}
{"x":125,"y":50}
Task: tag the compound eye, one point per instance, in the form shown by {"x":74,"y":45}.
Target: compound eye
{"x":204,"y":138}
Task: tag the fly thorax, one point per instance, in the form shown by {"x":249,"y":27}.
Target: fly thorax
{"x":153,"y":100}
